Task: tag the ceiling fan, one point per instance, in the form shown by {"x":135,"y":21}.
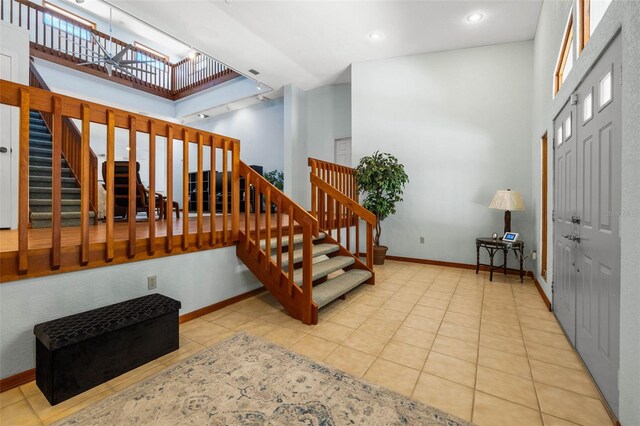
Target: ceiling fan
{"x":116,"y":61}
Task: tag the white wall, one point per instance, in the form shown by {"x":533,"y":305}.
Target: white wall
{"x":197,"y":280}
{"x":460,"y":123}
{"x":319,"y":116}
{"x":624,"y":16}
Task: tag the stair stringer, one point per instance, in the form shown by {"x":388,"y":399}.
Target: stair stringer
{"x":275,"y":280}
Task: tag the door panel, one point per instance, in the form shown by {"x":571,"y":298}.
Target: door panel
{"x":565,"y":189}
{"x":8,"y":128}
{"x":596,"y":258}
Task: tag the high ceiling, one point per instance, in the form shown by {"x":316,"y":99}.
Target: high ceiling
{"x":312,"y":43}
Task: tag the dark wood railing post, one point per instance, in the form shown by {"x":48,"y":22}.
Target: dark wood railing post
{"x":151,"y":249}
{"x":200,"y":189}
{"x":85,"y":188}
{"x":133,"y":187}
{"x":56,"y":184}
{"x":111,"y":129}
{"x":169,"y":205}
{"x":235,"y":190}
{"x":185,"y":190}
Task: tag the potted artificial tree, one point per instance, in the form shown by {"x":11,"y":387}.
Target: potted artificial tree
{"x":381,"y":178}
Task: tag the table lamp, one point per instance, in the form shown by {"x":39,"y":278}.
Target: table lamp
{"x":508,"y":201}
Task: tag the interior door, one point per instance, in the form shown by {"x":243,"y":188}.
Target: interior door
{"x":564,"y":296}
{"x":599,"y":201}
{"x":7,"y":124}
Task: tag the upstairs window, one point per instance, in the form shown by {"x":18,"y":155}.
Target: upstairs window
{"x":591,"y":13}
{"x":69,"y":25}
{"x":142,"y":56}
{"x":566,"y":56}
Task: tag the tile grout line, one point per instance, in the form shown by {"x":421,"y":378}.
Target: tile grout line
{"x":475,"y":382}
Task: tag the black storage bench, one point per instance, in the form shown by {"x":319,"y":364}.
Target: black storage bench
{"x":78,"y":352}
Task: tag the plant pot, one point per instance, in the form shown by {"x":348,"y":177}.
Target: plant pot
{"x":379,"y":253}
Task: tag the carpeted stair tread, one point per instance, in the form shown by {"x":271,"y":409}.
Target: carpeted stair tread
{"x":64,"y":215}
{"x":44,"y":205}
{"x":324,"y":268}
{"x":39,"y":160}
{"x":332,"y":289}
{"x":39,"y":134}
{"x":297,"y":239}
{"x":47,"y":181}
{"x":47,"y":170}
{"x":317,"y":250}
{"x":40,"y":152}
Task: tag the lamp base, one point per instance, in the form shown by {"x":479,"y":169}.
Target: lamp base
{"x":507,"y":221}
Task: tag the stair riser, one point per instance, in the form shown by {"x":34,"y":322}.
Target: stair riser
{"x":47,"y":208}
{"x":47,"y":223}
{"x":46,"y":194}
{"x":66,"y":172}
{"x":38,"y":160}
{"x":45,"y":181}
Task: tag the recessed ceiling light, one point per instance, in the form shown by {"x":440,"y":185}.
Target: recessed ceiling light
{"x":376,"y":36}
{"x":202,"y":115}
{"x":475,"y":17}
{"x":259,"y":86}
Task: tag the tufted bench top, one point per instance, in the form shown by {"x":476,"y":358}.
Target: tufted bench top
{"x":76,"y":328}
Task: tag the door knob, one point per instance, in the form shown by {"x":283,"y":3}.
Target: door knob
{"x":575,"y":238}
{"x":3,"y":149}
{"x":575,"y":219}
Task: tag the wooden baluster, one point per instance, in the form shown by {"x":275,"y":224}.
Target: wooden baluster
{"x":111,"y":129}
{"x":339,"y":220}
{"x":212,"y":191}
{"x":56,"y":187}
{"x":23,"y":184}
{"x":235,"y":190}
{"x":225,"y":189}
{"x":357,"y":238}
{"x":279,"y":236}
{"x":152,"y":189}
{"x":169,"y":209}
{"x":290,"y":248}
{"x":247,"y":210}
{"x":256,"y":206}
{"x":369,"y":246}
{"x":200,"y":189}
{"x":314,"y":200}
{"x":330,"y":214}
{"x":321,"y":209}
{"x":84,"y":187}
{"x":348,"y":226}
{"x":133,"y":188}
{"x":185,"y":189}
{"x":267,"y":244}
{"x":37,"y":23}
{"x":307,"y":260}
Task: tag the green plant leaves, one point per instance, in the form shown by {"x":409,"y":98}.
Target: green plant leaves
{"x":382,"y":179}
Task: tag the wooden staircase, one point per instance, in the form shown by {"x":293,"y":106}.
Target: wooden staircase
{"x":303,"y":266}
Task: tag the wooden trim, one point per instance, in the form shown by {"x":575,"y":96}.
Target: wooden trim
{"x":30,"y":375}
{"x":567,"y":39}
{"x":545,"y":208}
{"x":219,"y":305}
{"x":545,"y":299}
{"x":17,"y":380}
{"x":584,"y":17}
{"x":451,"y":264}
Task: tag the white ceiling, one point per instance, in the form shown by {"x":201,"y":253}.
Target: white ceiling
{"x":312,"y":43}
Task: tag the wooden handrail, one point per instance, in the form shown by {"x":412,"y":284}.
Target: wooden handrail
{"x":60,"y":107}
{"x":268,"y":266}
{"x":334,"y":201}
{"x":341,"y":177}
{"x":58,"y":38}
{"x":72,"y":147}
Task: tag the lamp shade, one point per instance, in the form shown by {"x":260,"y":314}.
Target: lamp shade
{"x":507,"y":200}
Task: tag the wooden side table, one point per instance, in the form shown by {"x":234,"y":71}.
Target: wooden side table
{"x":495,"y":245}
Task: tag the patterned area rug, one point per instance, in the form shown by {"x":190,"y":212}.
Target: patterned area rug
{"x":247,"y":381}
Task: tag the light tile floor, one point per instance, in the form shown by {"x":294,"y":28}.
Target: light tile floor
{"x":489,"y":352}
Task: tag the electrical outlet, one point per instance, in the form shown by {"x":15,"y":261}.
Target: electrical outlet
{"x":421,"y":240}
{"x":152,"y":282}
{"x":534,"y":255}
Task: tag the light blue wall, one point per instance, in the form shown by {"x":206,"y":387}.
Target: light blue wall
{"x":460,"y":122}
{"x":621,"y":16}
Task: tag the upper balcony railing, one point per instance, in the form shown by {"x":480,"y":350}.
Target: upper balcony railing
{"x":58,"y":38}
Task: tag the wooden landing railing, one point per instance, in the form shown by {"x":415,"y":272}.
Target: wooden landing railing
{"x":334,"y":201}
{"x":60,"y":39}
{"x":278,"y":207}
{"x":222,"y":150}
{"x":342,"y":178}
{"x":71,"y":146}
